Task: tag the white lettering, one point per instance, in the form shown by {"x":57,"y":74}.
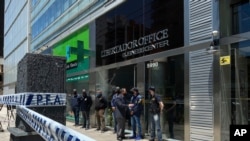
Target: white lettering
{"x":146,"y":40}
{"x":239,"y":132}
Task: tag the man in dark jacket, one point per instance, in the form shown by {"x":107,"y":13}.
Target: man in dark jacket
{"x":120,"y":113}
{"x":135,"y":113}
{"x":155,"y":109}
{"x":116,"y":93}
{"x":75,"y":106}
{"x":100,"y":106}
{"x":85,"y":104}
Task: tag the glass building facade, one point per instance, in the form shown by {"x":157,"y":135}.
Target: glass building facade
{"x":148,"y":42}
{"x":16,"y":40}
{"x":234,"y":78}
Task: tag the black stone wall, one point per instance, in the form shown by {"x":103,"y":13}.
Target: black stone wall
{"x":41,"y":73}
{"x":44,"y":74}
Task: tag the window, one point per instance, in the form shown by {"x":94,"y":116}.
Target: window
{"x":241,"y":17}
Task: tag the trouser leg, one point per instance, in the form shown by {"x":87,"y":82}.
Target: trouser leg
{"x":87,"y":119}
{"x":102,"y":119}
{"x":120,"y":127}
{"x":133,"y":124}
{"x":98,"y":119}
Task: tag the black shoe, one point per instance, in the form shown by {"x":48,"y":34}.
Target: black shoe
{"x":104,"y":130}
{"x":97,"y":129}
{"x":151,"y":139}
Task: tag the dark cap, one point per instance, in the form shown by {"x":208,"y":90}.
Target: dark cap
{"x":135,"y":89}
{"x":151,"y":88}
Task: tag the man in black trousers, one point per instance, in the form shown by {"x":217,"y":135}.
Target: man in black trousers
{"x":85,"y":104}
{"x":120,"y":113}
{"x":75,"y":106}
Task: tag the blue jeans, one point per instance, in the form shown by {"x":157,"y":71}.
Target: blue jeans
{"x":135,"y":122}
{"x":155,"y":124}
{"x":76,"y":115}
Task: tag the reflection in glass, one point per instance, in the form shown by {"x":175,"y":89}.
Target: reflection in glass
{"x":168,"y":78}
{"x":241,"y":17}
{"x":133,"y":29}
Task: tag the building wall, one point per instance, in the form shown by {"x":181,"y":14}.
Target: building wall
{"x":58,"y":19}
{"x":15,"y":40}
{"x":1,"y":44}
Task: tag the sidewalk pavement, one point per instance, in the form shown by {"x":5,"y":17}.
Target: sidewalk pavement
{"x":92,"y":133}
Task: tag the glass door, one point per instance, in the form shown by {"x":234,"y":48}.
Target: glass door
{"x":167,"y":75}
{"x":240,"y":78}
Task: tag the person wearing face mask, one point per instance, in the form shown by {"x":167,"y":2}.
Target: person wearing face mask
{"x":100,"y":106}
{"x":120,"y":113}
{"x":116,"y":93}
{"x":85,"y":105}
{"x":156,"y":107}
{"x":135,"y":113}
{"x":75,"y":106}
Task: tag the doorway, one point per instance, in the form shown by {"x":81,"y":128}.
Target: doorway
{"x":167,"y":76}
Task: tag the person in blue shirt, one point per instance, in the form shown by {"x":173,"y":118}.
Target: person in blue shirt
{"x":75,"y":106}
{"x":135,"y":113}
{"x":116,"y":93}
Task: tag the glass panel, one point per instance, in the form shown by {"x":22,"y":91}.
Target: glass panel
{"x":138,"y":28}
{"x":241,"y":17}
{"x":235,"y":86}
{"x":53,"y":12}
{"x":167,"y":75}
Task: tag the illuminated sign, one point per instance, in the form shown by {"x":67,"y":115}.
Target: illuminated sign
{"x":76,"y":78}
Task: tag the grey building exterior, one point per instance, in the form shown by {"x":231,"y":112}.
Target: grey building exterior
{"x":168,"y":44}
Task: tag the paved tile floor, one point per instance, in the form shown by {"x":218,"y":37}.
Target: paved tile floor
{"x":92,"y":133}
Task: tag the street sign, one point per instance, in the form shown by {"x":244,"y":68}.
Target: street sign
{"x":225,"y":60}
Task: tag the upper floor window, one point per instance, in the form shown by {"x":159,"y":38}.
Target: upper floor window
{"x":34,"y":2}
{"x":241,"y":17}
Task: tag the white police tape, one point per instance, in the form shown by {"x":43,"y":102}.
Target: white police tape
{"x":34,"y":99}
{"x":49,"y":129}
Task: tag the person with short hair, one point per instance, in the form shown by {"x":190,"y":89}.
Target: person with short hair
{"x":116,"y":93}
{"x":120,"y":113}
{"x":85,"y":105}
{"x":75,"y":106}
{"x":156,"y":107}
{"x":100,"y":106}
{"x":135,"y":113}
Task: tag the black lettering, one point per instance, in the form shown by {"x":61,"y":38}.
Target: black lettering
{"x":39,"y":98}
{"x":57,"y":100}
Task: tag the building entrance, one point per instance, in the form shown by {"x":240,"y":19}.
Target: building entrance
{"x":167,"y":76}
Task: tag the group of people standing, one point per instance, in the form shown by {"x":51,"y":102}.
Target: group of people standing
{"x":83,"y":103}
{"x":135,"y":108}
{"x":120,"y":108}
